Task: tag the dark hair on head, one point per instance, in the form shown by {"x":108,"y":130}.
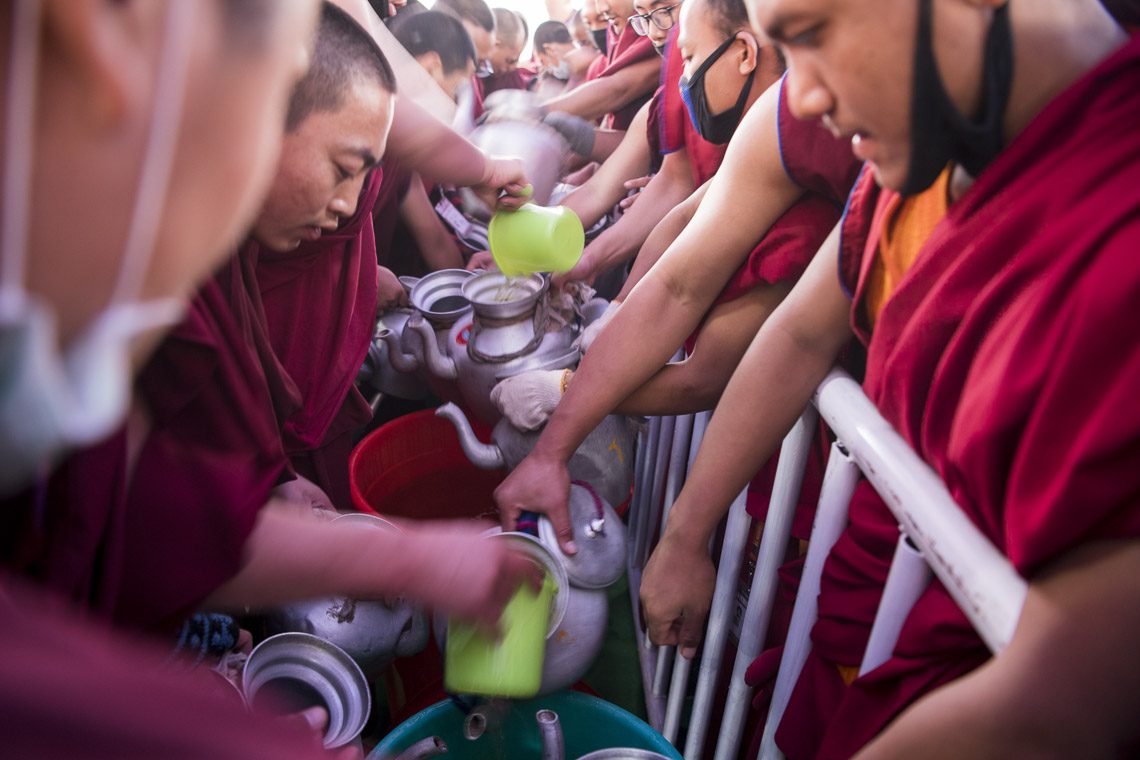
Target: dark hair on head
{"x":551,"y":32}
{"x":731,"y":15}
{"x":509,"y":25}
{"x":434,"y":32}
{"x":475,"y":11}
{"x":343,"y":54}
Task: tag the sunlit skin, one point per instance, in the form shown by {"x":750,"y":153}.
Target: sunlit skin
{"x":645,"y":7}
{"x":615,"y":12}
{"x":505,"y":53}
{"x":94,"y":104}
{"x":324,"y":163}
{"x":844,"y":67}
{"x":725,"y":78}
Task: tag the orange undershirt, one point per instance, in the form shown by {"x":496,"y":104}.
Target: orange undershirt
{"x":911,"y":222}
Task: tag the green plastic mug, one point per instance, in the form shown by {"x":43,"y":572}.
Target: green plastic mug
{"x":475,"y":663}
{"x":536,"y":239}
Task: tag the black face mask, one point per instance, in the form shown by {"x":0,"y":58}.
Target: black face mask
{"x":939,"y":133}
{"x":601,"y":38}
{"x":716,"y":128}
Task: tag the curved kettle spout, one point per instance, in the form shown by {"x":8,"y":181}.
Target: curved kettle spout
{"x":396,"y":356}
{"x":429,"y":747}
{"x":438,"y":364}
{"x":485,"y":456}
{"x":551,"y":732}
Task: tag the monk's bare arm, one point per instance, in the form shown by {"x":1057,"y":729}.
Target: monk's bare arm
{"x":435,"y":244}
{"x":598,"y":195}
{"x":432,"y":148}
{"x":293,"y":554}
{"x":663,"y":235}
{"x":695,"y":384}
{"x":1068,"y":684}
{"x":746,"y":197}
{"x":775,"y":380}
{"x":594,"y":99}
{"x":620,"y":242}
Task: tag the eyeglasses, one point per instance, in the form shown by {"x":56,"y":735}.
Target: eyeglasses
{"x":662,"y":18}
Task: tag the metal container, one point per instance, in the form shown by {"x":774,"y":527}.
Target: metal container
{"x":372,"y":632}
{"x":599,"y":534}
{"x":623,"y":753}
{"x":293,"y":671}
{"x":439,"y":295}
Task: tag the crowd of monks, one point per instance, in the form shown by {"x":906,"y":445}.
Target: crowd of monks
{"x":206,"y":206}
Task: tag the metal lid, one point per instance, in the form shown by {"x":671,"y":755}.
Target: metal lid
{"x":599,"y":534}
{"x":439,"y":295}
{"x":533,"y":547}
{"x":319,"y":668}
{"x":496,"y":296}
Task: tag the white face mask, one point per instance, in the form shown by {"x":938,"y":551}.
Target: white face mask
{"x":52,"y":401}
{"x":561,"y":71}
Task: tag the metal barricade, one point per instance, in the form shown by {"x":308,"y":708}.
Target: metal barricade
{"x":935,"y":538}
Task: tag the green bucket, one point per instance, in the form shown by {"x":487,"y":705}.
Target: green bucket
{"x":588,"y":724}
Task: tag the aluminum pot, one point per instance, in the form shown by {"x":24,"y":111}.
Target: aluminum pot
{"x":372,"y":632}
{"x":393,"y":367}
{"x":292,"y":671}
{"x":604,"y":460}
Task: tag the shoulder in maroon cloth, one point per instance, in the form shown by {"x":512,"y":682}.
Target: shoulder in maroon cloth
{"x":147,"y":554}
{"x":1007,"y":358}
{"x":320,"y":310}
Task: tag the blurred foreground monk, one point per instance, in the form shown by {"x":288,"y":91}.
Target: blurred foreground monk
{"x":182,"y":508}
{"x":111,"y":115}
{"x":1001,"y":347}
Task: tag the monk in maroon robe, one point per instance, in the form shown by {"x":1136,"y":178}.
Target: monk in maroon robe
{"x":1001,"y":354}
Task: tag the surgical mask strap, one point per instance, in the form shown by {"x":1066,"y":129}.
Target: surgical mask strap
{"x":19,"y":135}
{"x":161,"y":147}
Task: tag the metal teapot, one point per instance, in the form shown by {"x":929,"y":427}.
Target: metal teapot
{"x":394,"y":371}
{"x":505,"y":334}
{"x":438,"y":302}
{"x":372,"y":633}
{"x":604,"y":460}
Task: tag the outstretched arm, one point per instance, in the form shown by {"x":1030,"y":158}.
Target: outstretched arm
{"x":606,"y":187}
{"x":789,"y":357}
{"x":661,"y":311}
{"x":598,"y":97}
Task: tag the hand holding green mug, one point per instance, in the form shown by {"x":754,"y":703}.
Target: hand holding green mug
{"x":536,"y":239}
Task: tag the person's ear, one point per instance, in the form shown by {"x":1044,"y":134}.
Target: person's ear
{"x":433,"y":64}
{"x":109,"y":49}
{"x":750,"y":55}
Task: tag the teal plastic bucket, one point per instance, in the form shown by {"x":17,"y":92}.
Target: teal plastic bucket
{"x":588,"y":724}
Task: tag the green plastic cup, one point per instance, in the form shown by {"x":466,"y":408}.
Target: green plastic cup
{"x":475,"y":663}
{"x":536,"y":239}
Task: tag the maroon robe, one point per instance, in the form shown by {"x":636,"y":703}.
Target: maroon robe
{"x":1007,"y":358}
{"x":623,"y":51}
{"x":516,"y":79}
{"x":147,"y":551}
{"x":320,"y":303}
{"x":70,"y":689}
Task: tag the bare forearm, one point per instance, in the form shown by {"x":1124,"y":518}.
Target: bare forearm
{"x":598,"y":194}
{"x":432,"y":148}
{"x":775,"y":380}
{"x":618,"y":362}
{"x":621,"y":241}
{"x":293,"y":555}
{"x":437,"y":247}
{"x":594,"y":99}
{"x":659,"y":240}
{"x":1064,"y":686}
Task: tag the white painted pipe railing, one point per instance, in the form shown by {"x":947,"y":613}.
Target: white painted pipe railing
{"x":942,"y":541}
